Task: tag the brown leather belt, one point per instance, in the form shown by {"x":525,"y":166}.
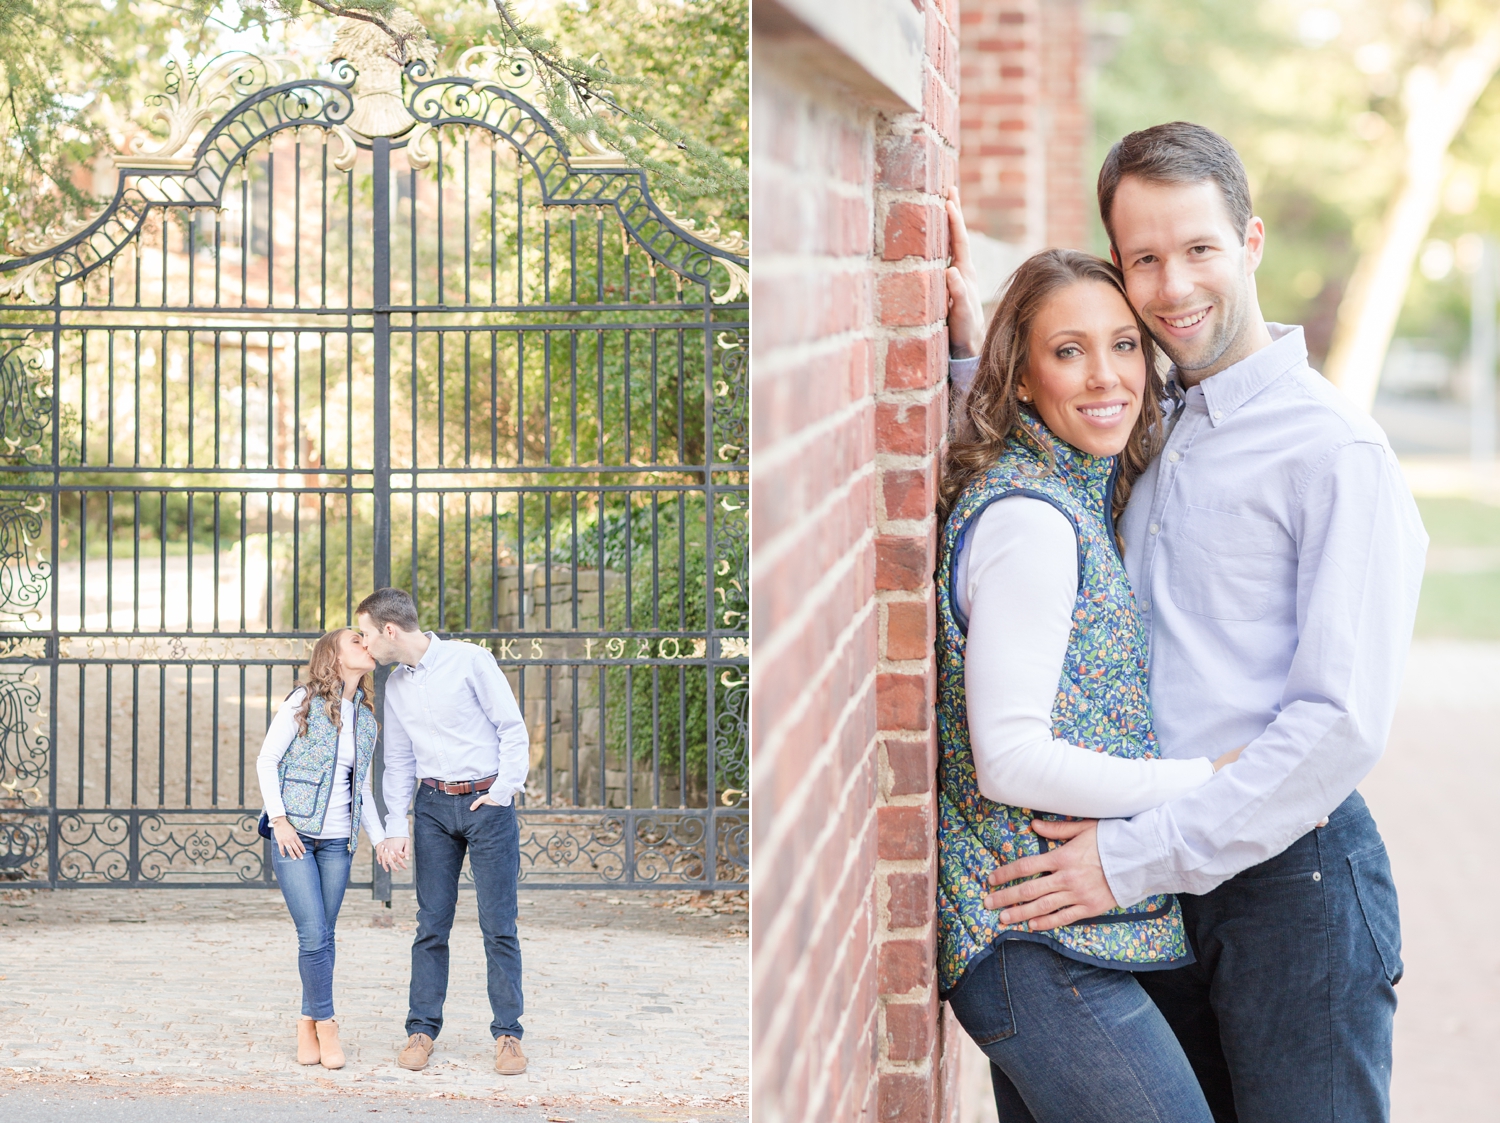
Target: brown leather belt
{"x":461,"y":787}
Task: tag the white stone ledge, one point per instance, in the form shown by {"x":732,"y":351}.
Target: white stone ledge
{"x":875,"y":47}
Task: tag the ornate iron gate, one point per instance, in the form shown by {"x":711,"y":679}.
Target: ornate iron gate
{"x":372,"y":328}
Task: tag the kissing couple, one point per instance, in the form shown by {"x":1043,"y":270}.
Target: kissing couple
{"x":454,"y":735}
{"x":1173,"y":615}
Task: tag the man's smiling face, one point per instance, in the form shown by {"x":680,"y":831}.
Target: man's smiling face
{"x":1188,"y":272}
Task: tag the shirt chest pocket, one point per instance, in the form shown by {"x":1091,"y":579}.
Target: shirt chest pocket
{"x":1223,"y":564}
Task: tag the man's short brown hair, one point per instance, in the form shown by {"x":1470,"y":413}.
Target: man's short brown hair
{"x":1179,"y":152}
{"x":390,"y":606}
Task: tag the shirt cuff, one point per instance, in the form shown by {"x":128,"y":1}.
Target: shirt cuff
{"x":396,"y":826}
{"x":1128,"y":852}
{"x":961,"y":373}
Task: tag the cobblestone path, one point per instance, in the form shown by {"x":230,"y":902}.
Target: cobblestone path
{"x":628,"y":999}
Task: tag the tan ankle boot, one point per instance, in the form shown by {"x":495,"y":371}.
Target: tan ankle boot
{"x":331,"y":1053}
{"x":307,"y":1042}
{"x":308,"y":1051}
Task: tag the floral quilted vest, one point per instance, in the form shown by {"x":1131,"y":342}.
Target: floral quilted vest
{"x":306,"y":769}
{"x":1101,"y":704}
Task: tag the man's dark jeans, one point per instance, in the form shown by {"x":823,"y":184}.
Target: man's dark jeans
{"x":1287,"y":1014}
{"x":443,"y":829}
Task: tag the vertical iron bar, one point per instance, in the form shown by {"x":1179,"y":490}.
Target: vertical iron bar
{"x":380,"y":885}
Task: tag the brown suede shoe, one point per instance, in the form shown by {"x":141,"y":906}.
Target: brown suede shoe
{"x":308,"y":1052}
{"x":330,"y":1052}
{"x":418,"y":1049}
{"x":509,"y":1060}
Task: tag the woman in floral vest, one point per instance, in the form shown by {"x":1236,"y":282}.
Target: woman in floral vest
{"x":314,"y":770}
{"x":1042,"y":706}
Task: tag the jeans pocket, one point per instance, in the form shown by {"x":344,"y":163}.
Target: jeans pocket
{"x":981,"y":1002}
{"x":1376,"y":890}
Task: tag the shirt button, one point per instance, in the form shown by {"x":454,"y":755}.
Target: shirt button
{"x":1218,"y":415}
{"x":1174,"y":456}
{"x":1146,"y":605}
{"x":1155,"y":529}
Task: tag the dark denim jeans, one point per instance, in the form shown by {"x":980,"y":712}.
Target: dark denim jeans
{"x":1287,"y":1015}
{"x":443,"y":829}
{"x":1072,"y":1043}
{"x":313,"y":888}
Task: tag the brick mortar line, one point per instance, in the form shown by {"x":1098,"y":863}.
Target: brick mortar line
{"x":909,"y":396}
{"x":887,"y":461}
{"x":904,"y":528}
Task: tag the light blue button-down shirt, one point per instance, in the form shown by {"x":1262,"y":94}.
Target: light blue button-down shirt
{"x":1276,"y":555}
{"x":451,"y":717}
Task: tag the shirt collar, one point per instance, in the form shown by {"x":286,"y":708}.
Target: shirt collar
{"x":429,"y":657}
{"x":1232,"y":387}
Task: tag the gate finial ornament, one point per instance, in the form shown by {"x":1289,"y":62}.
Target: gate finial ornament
{"x":379,"y":109}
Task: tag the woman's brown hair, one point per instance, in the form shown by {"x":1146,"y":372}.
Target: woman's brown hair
{"x":325,"y":680}
{"x":989,"y":412}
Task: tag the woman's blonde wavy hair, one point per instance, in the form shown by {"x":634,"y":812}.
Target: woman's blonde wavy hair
{"x":325,"y":680}
{"x":988,"y":415}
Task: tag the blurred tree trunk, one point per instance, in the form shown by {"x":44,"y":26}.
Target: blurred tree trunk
{"x":1438,"y":100}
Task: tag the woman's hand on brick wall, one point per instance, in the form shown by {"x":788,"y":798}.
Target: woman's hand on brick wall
{"x":965,"y":313}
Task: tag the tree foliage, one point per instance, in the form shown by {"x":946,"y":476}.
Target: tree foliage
{"x":665,"y":83}
{"x":62,"y":63}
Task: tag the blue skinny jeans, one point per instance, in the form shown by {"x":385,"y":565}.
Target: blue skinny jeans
{"x":1069,"y":1042}
{"x":313,"y":888}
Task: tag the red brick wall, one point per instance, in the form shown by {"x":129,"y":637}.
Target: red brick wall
{"x":915,"y":166}
{"x":848,"y":383}
{"x":1024,"y":121}
{"x":814,"y":624}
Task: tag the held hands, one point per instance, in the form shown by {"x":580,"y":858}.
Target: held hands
{"x":965,"y":312}
{"x":288,"y":841}
{"x":391,"y":854}
{"x":1072,"y":887}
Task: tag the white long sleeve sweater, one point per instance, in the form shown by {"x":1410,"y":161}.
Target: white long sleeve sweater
{"x":1017,"y":580}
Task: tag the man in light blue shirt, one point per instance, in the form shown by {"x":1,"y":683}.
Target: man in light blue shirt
{"x":451,"y":722}
{"x":1276,"y":556}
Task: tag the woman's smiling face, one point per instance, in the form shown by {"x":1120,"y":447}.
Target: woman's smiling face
{"x":1086,"y":373}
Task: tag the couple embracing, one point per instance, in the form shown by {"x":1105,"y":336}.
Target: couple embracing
{"x":454,"y":733}
{"x":1172,"y":622}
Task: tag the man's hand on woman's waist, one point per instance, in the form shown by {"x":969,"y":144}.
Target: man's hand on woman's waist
{"x":1072,"y":886}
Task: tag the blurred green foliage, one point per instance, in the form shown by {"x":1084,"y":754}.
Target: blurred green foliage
{"x":1461,"y":591}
